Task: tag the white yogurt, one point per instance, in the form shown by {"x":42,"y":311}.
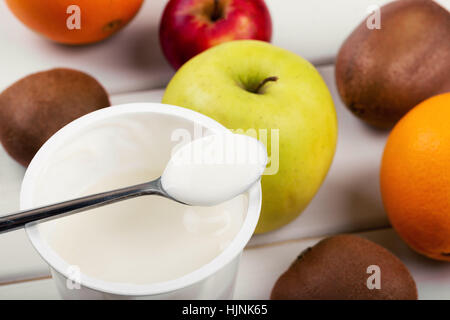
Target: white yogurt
{"x":142,"y":240}
{"x":145,"y":240}
{"x":213,"y":169}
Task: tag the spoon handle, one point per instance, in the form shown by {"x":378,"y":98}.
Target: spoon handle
{"x":19,"y":219}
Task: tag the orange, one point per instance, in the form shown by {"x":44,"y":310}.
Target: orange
{"x":98,"y":18}
{"x":415,"y":177}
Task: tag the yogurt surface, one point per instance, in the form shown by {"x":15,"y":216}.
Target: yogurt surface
{"x":139,"y":241}
{"x":145,"y":240}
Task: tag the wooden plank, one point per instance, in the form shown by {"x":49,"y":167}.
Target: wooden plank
{"x":132,"y":59}
{"x":261,"y":266}
{"x":30,"y":290}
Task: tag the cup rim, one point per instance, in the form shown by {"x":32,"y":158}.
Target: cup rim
{"x":59,"y":265}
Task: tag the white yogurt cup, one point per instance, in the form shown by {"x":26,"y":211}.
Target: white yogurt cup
{"x":214,"y":280}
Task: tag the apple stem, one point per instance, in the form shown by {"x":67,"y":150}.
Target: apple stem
{"x":258,"y":88}
{"x":216,"y":14}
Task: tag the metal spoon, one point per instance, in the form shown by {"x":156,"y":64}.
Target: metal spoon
{"x":20,"y":219}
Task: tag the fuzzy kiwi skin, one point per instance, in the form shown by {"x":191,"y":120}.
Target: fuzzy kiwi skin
{"x":382,"y":73}
{"x":336,"y":269}
{"x":35,"y":107}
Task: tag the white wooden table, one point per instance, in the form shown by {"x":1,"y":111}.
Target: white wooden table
{"x":132,"y":68}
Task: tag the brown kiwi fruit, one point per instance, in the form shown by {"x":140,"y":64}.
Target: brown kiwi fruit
{"x":382,"y":73}
{"x":35,"y":107}
{"x":336,"y":269}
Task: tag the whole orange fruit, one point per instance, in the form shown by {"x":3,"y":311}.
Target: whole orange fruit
{"x":415,"y":177}
{"x":58,"y":19}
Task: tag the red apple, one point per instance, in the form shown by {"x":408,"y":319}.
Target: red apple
{"x":189,"y":27}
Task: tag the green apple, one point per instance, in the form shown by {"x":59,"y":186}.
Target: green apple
{"x":248,"y":84}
